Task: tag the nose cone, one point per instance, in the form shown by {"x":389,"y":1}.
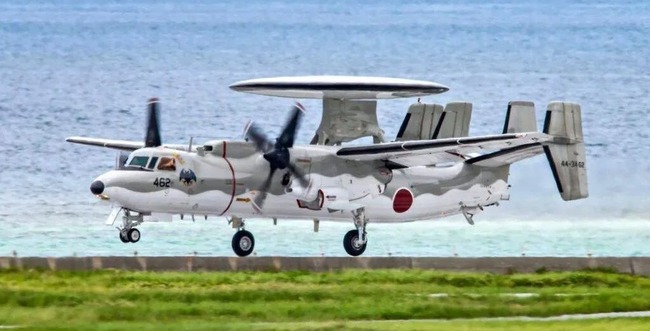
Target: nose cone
{"x":97,"y":187}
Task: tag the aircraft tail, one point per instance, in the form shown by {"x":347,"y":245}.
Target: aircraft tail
{"x":432,"y":121}
{"x":520,"y":117}
{"x":566,"y":153}
{"x":565,"y":150}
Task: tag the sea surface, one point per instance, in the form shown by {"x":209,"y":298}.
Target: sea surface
{"x":88,"y":67}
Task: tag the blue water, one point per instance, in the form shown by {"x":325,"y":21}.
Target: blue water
{"x":88,"y":67}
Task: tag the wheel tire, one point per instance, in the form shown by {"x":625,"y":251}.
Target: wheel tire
{"x":123,"y":237}
{"x":349,"y":243}
{"x":133,"y":235}
{"x":243,"y":243}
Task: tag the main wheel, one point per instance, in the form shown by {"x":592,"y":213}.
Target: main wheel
{"x":351,"y":243}
{"x":243,"y":243}
{"x":133,"y":235}
{"x":123,"y":237}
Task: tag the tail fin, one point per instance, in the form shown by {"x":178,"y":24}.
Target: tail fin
{"x":566,"y":153}
{"x":520,"y":117}
{"x":454,"y":121}
{"x":420,"y":122}
{"x":431,"y":121}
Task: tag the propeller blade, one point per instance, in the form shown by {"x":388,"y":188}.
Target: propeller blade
{"x":277,"y":155}
{"x":297,"y":173}
{"x":288,"y":135}
{"x":152,"y":137}
{"x":120,"y":159}
{"x":261,"y":197}
{"x":254,"y":134}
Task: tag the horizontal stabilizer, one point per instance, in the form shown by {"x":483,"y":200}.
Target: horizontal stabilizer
{"x":507,"y":156}
{"x":520,"y":117}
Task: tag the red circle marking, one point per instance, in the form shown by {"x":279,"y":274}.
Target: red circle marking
{"x":402,"y":200}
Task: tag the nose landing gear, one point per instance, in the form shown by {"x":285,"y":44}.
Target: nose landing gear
{"x":128,"y":233}
{"x":132,"y":236}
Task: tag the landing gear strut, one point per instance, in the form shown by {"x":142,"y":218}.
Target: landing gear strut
{"x":243,"y":242}
{"x":355,"y":241}
{"x":128,"y":232}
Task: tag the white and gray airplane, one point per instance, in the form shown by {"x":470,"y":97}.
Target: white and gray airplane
{"x":432,"y":168}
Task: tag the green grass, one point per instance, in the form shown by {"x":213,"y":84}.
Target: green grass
{"x":353,"y":299}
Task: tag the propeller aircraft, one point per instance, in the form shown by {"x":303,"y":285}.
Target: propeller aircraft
{"x":432,"y":168}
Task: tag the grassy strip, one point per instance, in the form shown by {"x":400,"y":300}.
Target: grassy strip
{"x":121,"y":298}
{"x":640,"y":324}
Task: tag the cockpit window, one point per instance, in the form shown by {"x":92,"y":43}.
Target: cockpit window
{"x":152,"y":163}
{"x":139,"y":161}
{"x":167,"y":163}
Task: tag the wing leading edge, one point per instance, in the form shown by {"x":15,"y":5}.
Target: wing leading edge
{"x":123,"y":145}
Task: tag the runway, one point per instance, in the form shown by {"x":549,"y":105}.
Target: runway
{"x":498,"y":265}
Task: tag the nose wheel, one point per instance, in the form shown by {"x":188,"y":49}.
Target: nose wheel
{"x":130,"y":236}
{"x":128,"y":233}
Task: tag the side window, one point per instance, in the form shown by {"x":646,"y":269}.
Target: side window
{"x":152,"y":162}
{"x":167,"y":163}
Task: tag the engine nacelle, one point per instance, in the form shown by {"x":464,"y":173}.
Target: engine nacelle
{"x":332,"y":198}
{"x":309,"y":193}
{"x":335,"y":198}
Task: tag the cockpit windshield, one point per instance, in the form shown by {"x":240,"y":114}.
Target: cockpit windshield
{"x":139,"y":161}
{"x":152,"y":163}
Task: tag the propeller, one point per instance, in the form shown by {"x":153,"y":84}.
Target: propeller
{"x":152,"y":137}
{"x":277,"y":154}
{"x":152,"y":133}
{"x":120,"y":159}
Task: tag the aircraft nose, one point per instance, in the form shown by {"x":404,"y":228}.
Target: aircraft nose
{"x":97,"y":187}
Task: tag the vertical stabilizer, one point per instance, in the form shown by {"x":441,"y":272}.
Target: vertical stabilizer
{"x":566,"y":154}
{"x":454,"y":121}
{"x":520,"y":117}
{"x":420,"y":122}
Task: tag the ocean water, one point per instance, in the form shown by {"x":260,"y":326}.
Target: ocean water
{"x":88,"y":67}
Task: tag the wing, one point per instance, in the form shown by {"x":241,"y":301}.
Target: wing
{"x":124,"y":145}
{"x":427,"y":152}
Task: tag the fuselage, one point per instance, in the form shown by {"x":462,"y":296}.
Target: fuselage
{"x":224,"y":181}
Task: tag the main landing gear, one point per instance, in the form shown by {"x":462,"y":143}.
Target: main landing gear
{"x":243,"y":242}
{"x":128,"y":233}
{"x":355,"y":241}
